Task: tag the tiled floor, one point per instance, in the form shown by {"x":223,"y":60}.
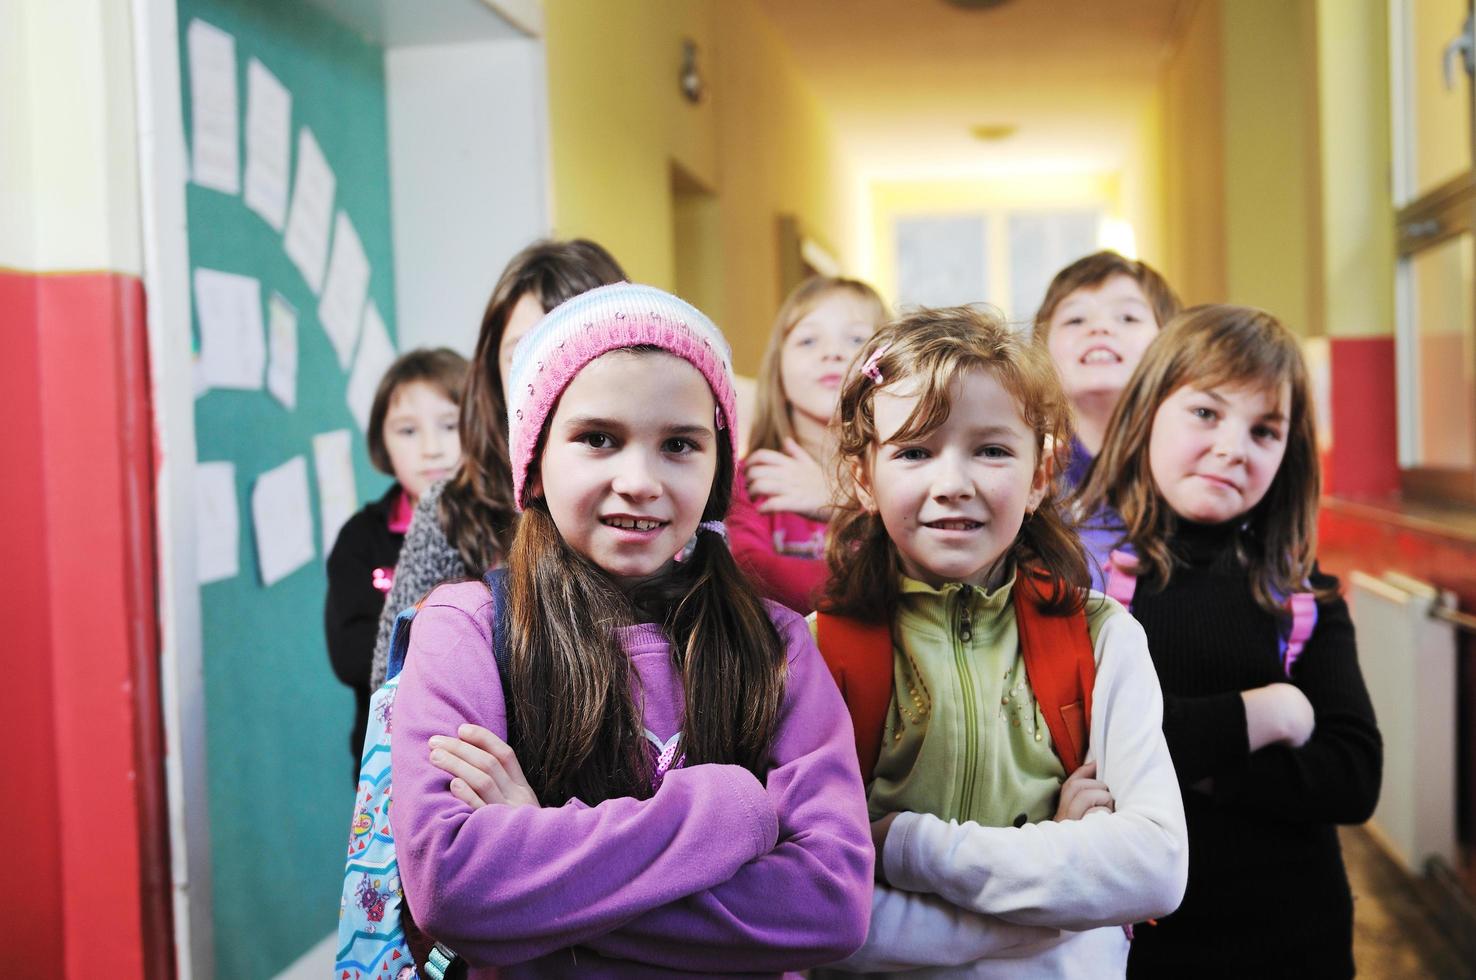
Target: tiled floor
{"x":1393,"y":936}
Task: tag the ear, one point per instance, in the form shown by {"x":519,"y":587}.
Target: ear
{"x":1039,"y":483}
{"x":863,"y":486}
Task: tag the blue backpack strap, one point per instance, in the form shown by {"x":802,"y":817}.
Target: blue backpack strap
{"x":399,"y":643}
{"x":496,"y":582}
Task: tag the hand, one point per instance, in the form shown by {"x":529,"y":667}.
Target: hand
{"x":879,"y":831}
{"x":789,"y":481}
{"x":483,"y":768}
{"x":1278,"y":714}
{"x":1083,"y":793}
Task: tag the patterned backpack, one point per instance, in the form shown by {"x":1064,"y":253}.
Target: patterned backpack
{"x":377,"y":939}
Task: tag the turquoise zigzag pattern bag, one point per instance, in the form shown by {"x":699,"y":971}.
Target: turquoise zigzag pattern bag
{"x":374,"y":927}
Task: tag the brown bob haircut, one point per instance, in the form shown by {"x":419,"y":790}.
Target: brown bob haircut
{"x":476,"y":508}
{"x":1208,"y":347}
{"x":1091,"y":272}
{"x":926,"y":353}
{"x":771,"y":420}
{"x":440,"y":367}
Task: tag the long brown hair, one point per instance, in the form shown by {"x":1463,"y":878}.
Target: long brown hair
{"x":579,"y":727}
{"x":928,"y":351}
{"x":1208,"y":346}
{"x":772,"y":423}
{"x":476,"y":507}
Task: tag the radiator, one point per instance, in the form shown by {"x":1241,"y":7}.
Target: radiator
{"x":1409,"y":662}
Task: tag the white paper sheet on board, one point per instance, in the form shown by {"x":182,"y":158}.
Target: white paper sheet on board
{"x":217,"y":522}
{"x":342,"y":307}
{"x":333,"y":458}
{"x":376,"y":354}
{"x":232,"y":338}
{"x":216,"y":160}
{"x":306,"y":240}
{"x":282,"y":519}
{"x":282,"y":344}
{"x":268,"y":143}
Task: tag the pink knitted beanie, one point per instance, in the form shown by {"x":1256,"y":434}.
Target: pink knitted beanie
{"x":594,"y":323}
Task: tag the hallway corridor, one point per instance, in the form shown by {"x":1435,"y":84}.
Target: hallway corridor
{"x":1394,"y":936}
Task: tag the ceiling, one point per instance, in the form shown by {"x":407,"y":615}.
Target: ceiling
{"x":904,"y":80}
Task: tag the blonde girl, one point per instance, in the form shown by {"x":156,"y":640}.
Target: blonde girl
{"x":995,"y":860}
{"x":666,"y":781}
{"x":783,"y":497}
{"x":1209,"y":479}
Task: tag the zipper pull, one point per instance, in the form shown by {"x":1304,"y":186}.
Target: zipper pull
{"x":965,"y":617}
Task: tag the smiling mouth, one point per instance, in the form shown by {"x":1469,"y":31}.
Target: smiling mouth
{"x":954,"y":524}
{"x":1101,"y":355}
{"x":632,"y":523}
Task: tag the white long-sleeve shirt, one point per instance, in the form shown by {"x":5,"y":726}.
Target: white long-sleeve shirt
{"x":1046,"y":899}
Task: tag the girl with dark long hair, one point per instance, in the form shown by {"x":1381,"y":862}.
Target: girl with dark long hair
{"x":679,"y":790}
{"x":464,"y":526}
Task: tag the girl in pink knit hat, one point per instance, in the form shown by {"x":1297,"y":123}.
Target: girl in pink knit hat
{"x":660,"y":777}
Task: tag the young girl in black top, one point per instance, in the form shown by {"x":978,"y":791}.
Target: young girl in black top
{"x":413,"y":437}
{"x":1210,"y":475}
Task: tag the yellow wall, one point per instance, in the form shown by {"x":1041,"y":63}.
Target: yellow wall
{"x":1272,"y":205}
{"x":1245,"y":189}
{"x":759,"y":144}
{"x":1357,"y":212}
{"x":1194,"y":160}
{"x":617,"y":121}
{"x":776,"y":155}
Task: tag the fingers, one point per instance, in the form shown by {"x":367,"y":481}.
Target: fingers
{"x":1090,"y":798}
{"x":466,"y":794}
{"x":485,"y":770}
{"x":455,"y":758}
{"x":489,"y":742}
{"x":1082,"y":793}
{"x":795,"y":450}
{"x":777,"y":502}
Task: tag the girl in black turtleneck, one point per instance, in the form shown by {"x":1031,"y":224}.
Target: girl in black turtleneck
{"x":1209,"y":476}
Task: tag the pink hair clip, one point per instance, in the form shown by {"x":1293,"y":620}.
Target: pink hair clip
{"x":871,"y":368}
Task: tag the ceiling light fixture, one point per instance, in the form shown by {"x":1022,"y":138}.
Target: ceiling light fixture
{"x":993,"y":132}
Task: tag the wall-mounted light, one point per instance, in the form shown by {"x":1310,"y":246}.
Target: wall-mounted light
{"x":693,"y":88}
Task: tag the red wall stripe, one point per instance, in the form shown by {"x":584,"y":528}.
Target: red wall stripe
{"x":30,"y":902}
{"x":88,"y":493}
{"x":1365,"y":451}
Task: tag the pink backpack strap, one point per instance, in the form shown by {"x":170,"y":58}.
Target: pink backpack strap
{"x":1303,"y":609}
{"x":1122,"y":577}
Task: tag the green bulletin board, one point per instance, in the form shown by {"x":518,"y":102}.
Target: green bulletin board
{"x":277,"y":721}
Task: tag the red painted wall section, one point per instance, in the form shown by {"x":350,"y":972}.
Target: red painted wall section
{"x":1365,"y":452}
{"x":30,"y":902}
{"x":85,"y":495}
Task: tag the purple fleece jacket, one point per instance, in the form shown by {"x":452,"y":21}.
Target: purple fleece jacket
{"x":716,"y":872}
